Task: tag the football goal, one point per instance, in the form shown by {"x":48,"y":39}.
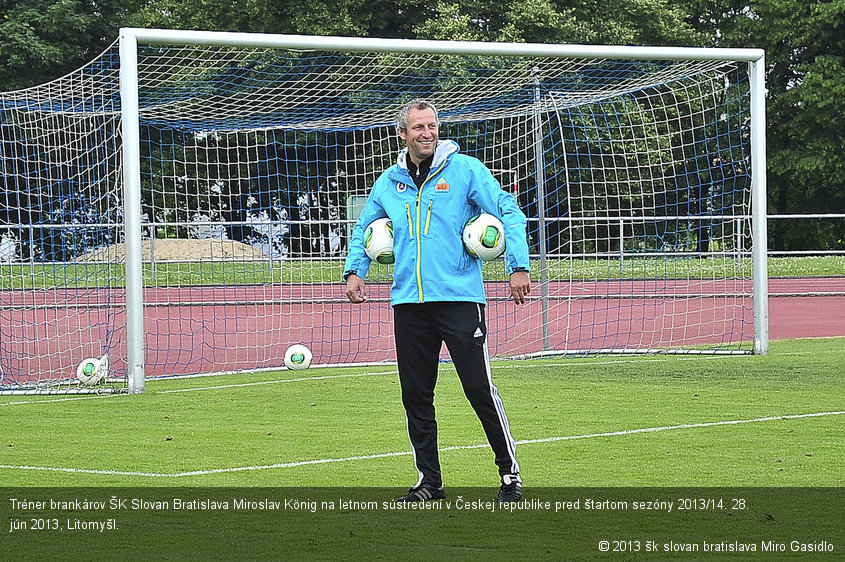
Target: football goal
{"x":182,"y":204}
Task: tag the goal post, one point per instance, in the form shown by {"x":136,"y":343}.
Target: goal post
{"x":759,"y":248}
{"x":221,"y":171}
{"x":130,"y":119}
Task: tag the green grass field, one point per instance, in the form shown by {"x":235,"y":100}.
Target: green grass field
{"x":638,"y":423}
{"x":189,"y":273}
{"x":213,"y":426}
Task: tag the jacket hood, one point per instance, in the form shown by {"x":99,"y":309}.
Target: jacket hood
{"x":442,"y":151}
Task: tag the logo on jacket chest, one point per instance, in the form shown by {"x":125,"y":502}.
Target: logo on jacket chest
{"x":442,"y":186}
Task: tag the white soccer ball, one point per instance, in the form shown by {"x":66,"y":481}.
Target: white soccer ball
{"x":378,"y":241}
{"x":484,"y":237}
{"x":298,"y":356}
{"x":88,"y":372}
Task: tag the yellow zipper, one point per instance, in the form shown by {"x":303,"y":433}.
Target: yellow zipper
{"x":419,"y":240}
{"x":419,"y":248}
{"x":408,"y":214}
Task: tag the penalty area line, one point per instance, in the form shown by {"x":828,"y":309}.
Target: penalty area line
{"x":202,"y":388}
{"x":277,"y":381}
{"x":294,"y":464}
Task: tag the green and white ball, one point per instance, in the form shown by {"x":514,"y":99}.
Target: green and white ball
{"x":88,"y":372}
{"x":378,"y":241}
{"x":484,"y":237}
{"x":298,"y":356}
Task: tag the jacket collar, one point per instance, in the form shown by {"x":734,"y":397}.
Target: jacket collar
{"x":442,"y":151}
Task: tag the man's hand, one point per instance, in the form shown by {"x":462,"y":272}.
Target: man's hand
{"x":355,"y":289}
{"x":520,"y":286}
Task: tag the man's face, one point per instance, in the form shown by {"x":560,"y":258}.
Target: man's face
{"x":421,"y":135}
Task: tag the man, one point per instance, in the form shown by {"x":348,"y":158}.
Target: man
{"x":438,"y":293}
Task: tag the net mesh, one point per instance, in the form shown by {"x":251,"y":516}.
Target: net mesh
{"x":635,"y":177}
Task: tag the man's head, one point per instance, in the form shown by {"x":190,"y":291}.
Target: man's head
{"x":417,"y":124}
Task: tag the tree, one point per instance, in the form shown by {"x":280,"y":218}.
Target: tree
{"x":356,"y":18}
{"x":628,"y":22}
{"x":805,"y":79}
{"x":41,"y":40}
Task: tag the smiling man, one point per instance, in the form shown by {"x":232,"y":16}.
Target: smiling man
{"x":438,"y":291}
{"x":420,"y":133}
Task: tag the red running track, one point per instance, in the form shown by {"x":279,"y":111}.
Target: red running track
{"x":227,"y":328}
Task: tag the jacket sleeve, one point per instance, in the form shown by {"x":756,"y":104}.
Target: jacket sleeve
{"x":357,"y":260}
{"x":486,"y":192}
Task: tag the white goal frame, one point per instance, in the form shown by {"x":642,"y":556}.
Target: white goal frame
{"x":131,"y":38}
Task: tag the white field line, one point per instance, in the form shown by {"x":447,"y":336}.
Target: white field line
{"x":404,"y":453}
{"x":279,"y":381}
{"x":355,"y":375}
{"x":497,"y":366}
{"x":216,"y":387}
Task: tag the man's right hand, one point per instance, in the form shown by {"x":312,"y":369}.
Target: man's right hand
{"x":355,"y":289}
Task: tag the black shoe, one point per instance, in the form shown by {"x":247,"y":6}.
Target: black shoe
{"x":511,"y":489}
{"x":423,"y":492}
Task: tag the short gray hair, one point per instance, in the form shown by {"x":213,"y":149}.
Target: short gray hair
{"x":418,"y":103}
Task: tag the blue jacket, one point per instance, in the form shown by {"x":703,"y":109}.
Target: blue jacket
{"x":431,"y":263}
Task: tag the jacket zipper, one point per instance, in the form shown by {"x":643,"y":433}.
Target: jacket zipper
{"x":419,"y":240}
{"x":419,"y":248}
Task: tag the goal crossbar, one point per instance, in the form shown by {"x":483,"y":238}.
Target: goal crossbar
{"x":313,"y":42}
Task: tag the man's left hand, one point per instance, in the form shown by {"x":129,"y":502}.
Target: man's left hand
{"x":520,"y":286}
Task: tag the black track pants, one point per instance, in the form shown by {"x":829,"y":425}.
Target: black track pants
{"x":420,"y":330}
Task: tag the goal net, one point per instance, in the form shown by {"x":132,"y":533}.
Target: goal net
{"x":187,"y":209}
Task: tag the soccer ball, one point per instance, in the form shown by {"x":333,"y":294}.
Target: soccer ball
{"x":378,"y":241}
{"x":88,"y":372}
{"x":484,"y":237}
{"x":298,"y":356}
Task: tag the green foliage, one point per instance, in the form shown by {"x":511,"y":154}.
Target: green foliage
{"x":623,"y":22}
{"x":805,"y":79}
{"x":541,"y":21}
{"x":41,"y":40}
{"x":357,"y":18}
